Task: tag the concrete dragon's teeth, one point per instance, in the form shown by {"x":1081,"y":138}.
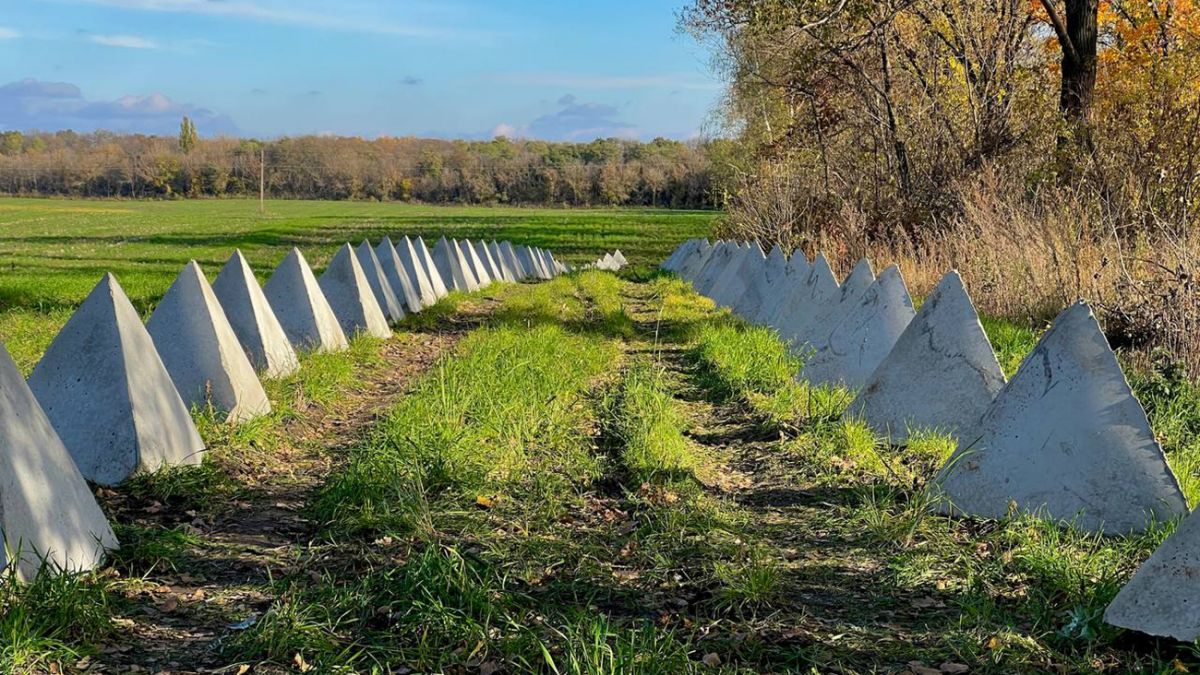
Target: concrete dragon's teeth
{"x":47,"y":512}
{"x":202,"y":353}
{"x":941,"y":375}
{"x":1066,"y":439}
{"x":301,"y":306}
{"x":105,"y":390}
{"x":349,"y":294}
{"x":253,"y":321}
{"x":391,"y":300}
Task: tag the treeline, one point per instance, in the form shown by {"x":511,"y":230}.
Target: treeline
{"x":606,"y":172}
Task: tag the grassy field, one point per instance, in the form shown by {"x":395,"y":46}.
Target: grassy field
{"x":53,"y":251}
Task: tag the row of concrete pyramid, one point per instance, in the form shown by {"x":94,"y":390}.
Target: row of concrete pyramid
{"x":611,"y":262}
{"x":1065,"y":438}
{"x":111,"y":397}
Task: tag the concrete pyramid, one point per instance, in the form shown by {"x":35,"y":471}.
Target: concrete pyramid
{"x":720,"y":258}
{"x":718,"y":282}
{"x":301,"y":307}
{"x":252,"y":319}
{"x":556,"y":267}
{"x":743,"y":273}
{"x":795,"y":313}
{"x":392,"y":298}
{"x":864,"y":334}
{"x":402,"y":266}
{"x":47,"y":512}
{"x":620,"y":258}
{"x":510,"y":254}
{"x":760,"y":284}
{"x":671,"y":264}
{"x":795,"y":277}
{"x":539,"y":263}
{"x":436,"y":280}
{"x":815,"y":326}
{"x":452,"y":267}
{"x":1162,"y":598}
{"x":351,"y":298}
{"x":1065,"y":438}
{"x":695,"y":261}
{"x":489,"y":263}
{"x":201,"y":352}
{"x":497,"y":255}
{"x":109,"y":397}
{"x":478,"y":268}
{"x":525,"y":257}
{"x":941,"y":374}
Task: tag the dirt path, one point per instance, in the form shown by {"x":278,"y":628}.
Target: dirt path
{"x":175,"y":621}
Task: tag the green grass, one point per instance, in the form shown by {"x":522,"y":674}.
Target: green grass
{"x":51,"y":619}
{"x":646,"y":425}
{"x":55,"y":251}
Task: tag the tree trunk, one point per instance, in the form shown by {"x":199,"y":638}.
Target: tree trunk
{"x":1079,"y":61}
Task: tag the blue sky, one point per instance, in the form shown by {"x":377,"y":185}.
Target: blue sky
{"x":558,"y":70}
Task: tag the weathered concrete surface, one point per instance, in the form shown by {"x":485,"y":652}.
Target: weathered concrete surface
{"x":864,"y":334}
{"x":760,"y":284}
{"x":815,"y":327}
{"x":794,"y":315}
{"x":1067,"y":439}
{"x":783,"y":290}
{"x":475,"y":263}
{"x":201,"y":352}
{"x":729,"y":268}
{"x":404,"y":265}
{"x":671,"y":264}
{"x":47,"y":512}
{"x":942,"y":373}
{"x":514,"y":260}
{"x":722,"y":255}
{"x":253,"y":321}
{"x":349,"y":294}
{"x":381,"y":286}
{"x":109,"y":397}
{"x":406,"y":286}
{"x":436,"y":280}
{"x":745,"y":271}
{"x":489,"y":263}
{"x":301,"y":307}
{"x":690,"y":266}
{"x":528,"y":263}
{"x":1162,"y":598}
{"x":453,"y":267}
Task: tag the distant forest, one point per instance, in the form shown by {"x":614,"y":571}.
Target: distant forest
{"x":611,"y":172}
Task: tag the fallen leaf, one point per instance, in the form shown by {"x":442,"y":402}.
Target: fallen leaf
{"x":301,"y":664}
{"x":485,"y":502}
{"x":490,"y":668}
{"x":243,"y":669}
{"x":992,"y":643}
{"x":1179,"y":667}
{"x":169,"y":604}
{"x":711,"y":659}
{"x":919,"y":668}
{"x":954,"y":668}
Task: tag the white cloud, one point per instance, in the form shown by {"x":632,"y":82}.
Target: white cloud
{"x":507,"y":130}
{"x":575,"y":120}
{"x":293,"y":13}
{"x":123,"y":41}
{"x":8,"y":33}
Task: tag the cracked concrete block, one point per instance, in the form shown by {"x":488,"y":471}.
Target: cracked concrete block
{"x":301,"y":306}
{"x":1066,"y":439}
{"x":864,"y":335}
{"x":381,"y":286}
{"x":475,"y":263}
{"x":453,"y":267}
{"x":942,"y":373}
{"x":1162,"y":598}
{"x":436,"y":280}
{"x":794,"y":314}
{"x":350,"y":296}
{"x":105,"y":390}
{"x":47,"y":513}
{"x":252,"y":319}
{"x":201,"y":352}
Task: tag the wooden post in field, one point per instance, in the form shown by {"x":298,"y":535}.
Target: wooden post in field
{"x":262,"y":181}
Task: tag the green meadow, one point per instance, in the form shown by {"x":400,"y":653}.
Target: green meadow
{"x":53,"y":251}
